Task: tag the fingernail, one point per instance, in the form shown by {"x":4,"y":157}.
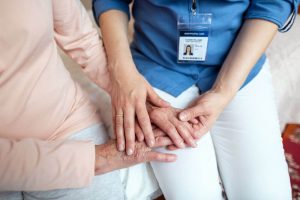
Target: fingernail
{"x":181,"y":144}
{"x":171,"y":158}
{"x":121,"y":147}
{"x":182,"y":116}
{"x":151,"y":143}
{"x":129,"y":152}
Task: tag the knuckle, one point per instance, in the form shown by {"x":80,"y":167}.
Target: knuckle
{"x":143,"y":121}
{"x":128,"y":126}
{"x":181,"y":127}
{"x":139,"y":156}
{"x":129,"y":133}
{"x":118,"y":128}
{"x":129,"y":141}
{"x":170,"y":129}
{"x":127,"y":104}
{"x":120,"y":138}
{"x":119,"y":121}
{"x":159,"y":156}
{"x":193,"y":113}
{"x":155,"y":114}
{"x":118,"y":125}
{"x":140,"y":105}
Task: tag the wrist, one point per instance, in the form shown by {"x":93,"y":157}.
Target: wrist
{"x":101,"y":162}
{"x":227,"y":89}
{"x":224,"y":91}
{"x":122,"y":68}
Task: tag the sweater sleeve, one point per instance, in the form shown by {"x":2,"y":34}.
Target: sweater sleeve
{"x":35,"y":165}
{"x":76,"y":36}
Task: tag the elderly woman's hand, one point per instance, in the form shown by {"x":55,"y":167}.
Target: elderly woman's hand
{"x":181,"y":133}
{"x":108,"y":158}
{"x":129,"y":92}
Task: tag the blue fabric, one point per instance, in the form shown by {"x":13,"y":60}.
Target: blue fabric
{"x":154,"y":47}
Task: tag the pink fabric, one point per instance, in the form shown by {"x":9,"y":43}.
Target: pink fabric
{"x":38,"y":98}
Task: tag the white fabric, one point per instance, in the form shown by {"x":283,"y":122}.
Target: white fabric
{"x":248,"y":148}
{"x":139,"y":182}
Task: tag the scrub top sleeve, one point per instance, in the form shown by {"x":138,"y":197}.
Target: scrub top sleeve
{"x":280,"y":12}
{"x":101,"y":6}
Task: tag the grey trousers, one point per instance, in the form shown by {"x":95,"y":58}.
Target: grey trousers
{"x":103,"y":187}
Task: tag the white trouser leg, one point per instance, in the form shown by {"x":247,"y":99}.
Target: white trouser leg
{"x":248,"y":144}
{"x":194,"y":175}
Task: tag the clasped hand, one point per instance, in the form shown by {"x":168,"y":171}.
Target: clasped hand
{"x":137,"y":109}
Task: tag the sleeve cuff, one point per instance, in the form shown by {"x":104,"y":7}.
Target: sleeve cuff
{"x":269,"y":12}
{"x":101,"y":6}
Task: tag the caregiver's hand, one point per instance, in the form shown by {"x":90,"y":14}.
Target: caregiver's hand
{"x":129,"y":93}
{"x":206,"y":109}
{"x":108,"y":158}
{"x":129,"y":90}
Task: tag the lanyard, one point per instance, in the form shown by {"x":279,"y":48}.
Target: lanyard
{"x":194,"y":7}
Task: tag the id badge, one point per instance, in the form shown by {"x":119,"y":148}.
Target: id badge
{"x":193,"y":36}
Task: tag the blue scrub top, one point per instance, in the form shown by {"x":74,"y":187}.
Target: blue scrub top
{"x":154,"y":47}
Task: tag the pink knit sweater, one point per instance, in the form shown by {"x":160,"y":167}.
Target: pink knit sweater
{"x":40,"y":104}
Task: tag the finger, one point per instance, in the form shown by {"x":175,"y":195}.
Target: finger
{"x":118,"y":118}
{"x":162,"y":141}
{"x":113,"y":116}
{"x":145,"y":124}
{"x":171,"y":131}
{"x":160,"y":157}
{"x":158,"y":132}
{"x":190,"y":113}
{"x":201,"y":128}
{"x":155,"y":99}
{"x":204,"y":124}
{"x":196,"y":127}
{"x":172,"y":148}
{"x":198,"y":134}
{"x":194,"y":121}
{"x":129,"y":124}
{"x":186,"y":135}
{"x":192,"y":128}
{"x":189,"y":126}
{"x":138,"y":132}
{"x":196,"y":131}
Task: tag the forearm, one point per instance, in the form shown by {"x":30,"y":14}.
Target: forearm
{"x":115,"y":38}
{"x":252,"y":41}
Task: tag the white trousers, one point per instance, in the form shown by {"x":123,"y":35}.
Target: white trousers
{"x":244,"y":148}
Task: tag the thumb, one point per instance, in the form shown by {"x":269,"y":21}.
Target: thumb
{"x":155,"y":99}
{"x":191,"y":113}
